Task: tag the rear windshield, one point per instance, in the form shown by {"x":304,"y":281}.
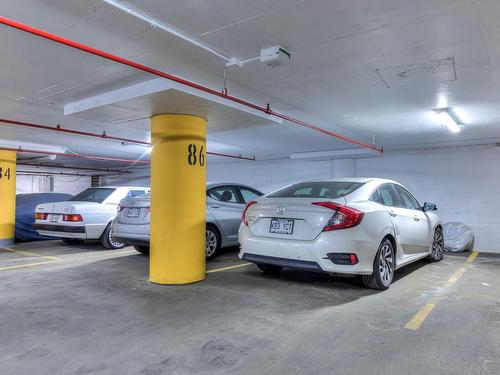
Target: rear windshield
{"x":97,"y":195}
{"x":330,"y":190}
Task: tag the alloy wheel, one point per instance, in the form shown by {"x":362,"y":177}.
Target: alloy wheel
{"x":386,"y":264}
{"x":114,"y":243}
{"x":438,"y":244}
{"x":210,"y":243}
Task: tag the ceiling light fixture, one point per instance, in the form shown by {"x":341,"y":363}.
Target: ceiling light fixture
{"x":447,"y":120}
{"x":351,"y":153}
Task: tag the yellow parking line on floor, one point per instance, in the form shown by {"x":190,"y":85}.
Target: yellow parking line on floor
{"x":30,"y":253}
{"x":473,"y":256}
{"x":27,"y":265}
{"x":454,"y":278}
{"x":229,"y":268}
{"x":420,"y":316}
{"x":417,"y":320}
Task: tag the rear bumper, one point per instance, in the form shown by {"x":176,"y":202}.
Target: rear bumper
{"x":130,"y":234}
{"x":70,"y":230}
{"x":59,"y":228}
{"x":282,"y":262}
{"x":131,"y":241}
{"x":311,"y":255}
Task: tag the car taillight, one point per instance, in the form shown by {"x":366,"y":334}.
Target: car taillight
{"x":72,"y":217}
{"x":41,"y":216}
{"x":119,"y":208}
{"x":344,"y":217}
{"x":244,"y":214}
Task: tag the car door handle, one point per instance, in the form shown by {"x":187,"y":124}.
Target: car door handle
{"x":416,"y":218}
{"x":214,"y":206}
{"x":393,"y":214}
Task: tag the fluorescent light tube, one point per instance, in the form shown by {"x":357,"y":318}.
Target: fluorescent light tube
{"x":353,"y":153}
{"x":446,"y":120}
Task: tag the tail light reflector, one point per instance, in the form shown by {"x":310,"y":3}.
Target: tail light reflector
{"x":72,"y":217}
{"x":343,"y":258}
{"x":244,"y":214}
{"x":343,"y":217}
{"x":41,"y":216}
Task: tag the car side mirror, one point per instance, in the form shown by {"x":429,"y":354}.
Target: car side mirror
{"x":429,"y":206}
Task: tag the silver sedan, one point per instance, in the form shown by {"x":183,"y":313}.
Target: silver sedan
{"x":225,"y":204}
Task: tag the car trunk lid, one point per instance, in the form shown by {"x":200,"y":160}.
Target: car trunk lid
{"x":272,"y":217}
{"x":134,"y":211}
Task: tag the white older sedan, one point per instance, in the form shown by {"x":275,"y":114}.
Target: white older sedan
{"x":86,"y":216}
{"x":361,"y":226}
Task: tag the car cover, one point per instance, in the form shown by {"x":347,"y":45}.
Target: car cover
{"x":458,"y":237}
{"x":25,"y":213}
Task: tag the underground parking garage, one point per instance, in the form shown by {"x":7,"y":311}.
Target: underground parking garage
{"x":300,"y":187}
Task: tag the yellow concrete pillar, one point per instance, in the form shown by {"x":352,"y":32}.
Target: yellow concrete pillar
{"x":178,"y":199}
{"x":7,"y":197}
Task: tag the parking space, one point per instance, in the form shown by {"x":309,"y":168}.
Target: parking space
{"x":249,"y":187}
{"x":102,"y":307}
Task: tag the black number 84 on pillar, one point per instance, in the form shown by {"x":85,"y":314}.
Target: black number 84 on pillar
{"x":5,"y":173}
{"x":196,"y":155}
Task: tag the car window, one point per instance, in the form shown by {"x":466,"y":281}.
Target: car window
{"x":388,"y":195}
{"x":135,"y":193}
{"x":249,"y":194}
{"x":97,"y":195}
{"x":327,"y":189}
{"x":407,"y":199}
{"x":226,"y":194}
{"x":376,"y":197}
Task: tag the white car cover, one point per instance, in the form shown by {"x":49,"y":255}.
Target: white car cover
{"x":458,"y":237}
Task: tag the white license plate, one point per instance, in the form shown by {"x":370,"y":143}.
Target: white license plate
{"x":133,"y":213}
{"x":281,"y":226}
{"x":53,"y":218}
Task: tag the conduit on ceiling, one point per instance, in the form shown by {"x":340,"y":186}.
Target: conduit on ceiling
{"x":76,"y":156}
{"x":105,"y":136}
{"x":223,"y":94}
{"x":41,"y":165}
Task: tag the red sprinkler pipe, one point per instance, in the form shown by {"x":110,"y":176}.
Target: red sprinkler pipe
{"x":171,"y":77}
{"x":103,"y":135}
{"x":78,"y":156}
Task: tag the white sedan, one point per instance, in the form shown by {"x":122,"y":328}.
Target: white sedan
{"x":361,"y":226}
{"x":86,"y":216}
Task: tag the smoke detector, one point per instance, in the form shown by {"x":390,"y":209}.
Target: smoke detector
{"x":275,"y":55}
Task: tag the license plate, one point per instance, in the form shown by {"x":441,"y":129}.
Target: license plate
{"x":281,"y":226}
{"x":53,"y":218}
{"x":133,"y":212}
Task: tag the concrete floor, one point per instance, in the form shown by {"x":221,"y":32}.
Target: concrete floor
{"x":83,"y":310}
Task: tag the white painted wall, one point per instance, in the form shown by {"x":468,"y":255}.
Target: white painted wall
{"x":463,"y":182}
{"x":40,"y":184}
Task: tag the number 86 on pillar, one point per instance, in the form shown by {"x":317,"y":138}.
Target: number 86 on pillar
{"x":196,"y":155}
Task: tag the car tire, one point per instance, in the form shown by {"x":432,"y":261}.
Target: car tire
{"x":270,"y":268}
{"x":72,"y":241}
{"x":144,"y":250}
{"x":437,"y":249}
{"x":107,"y":240}
{"x":383,"y":267}
{"x":212,"y":241}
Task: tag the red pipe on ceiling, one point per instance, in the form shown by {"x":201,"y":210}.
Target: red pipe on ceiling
{"x":103,"y":135}
{"x":147,"y":69}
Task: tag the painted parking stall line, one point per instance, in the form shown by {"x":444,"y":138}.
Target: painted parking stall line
{"x":418,"y":319}
{"x":229,"y":268}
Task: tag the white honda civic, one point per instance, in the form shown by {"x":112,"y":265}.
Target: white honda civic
{"x":359,"y":226}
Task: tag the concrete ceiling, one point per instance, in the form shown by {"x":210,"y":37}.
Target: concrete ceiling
{"x":362,"y":68}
